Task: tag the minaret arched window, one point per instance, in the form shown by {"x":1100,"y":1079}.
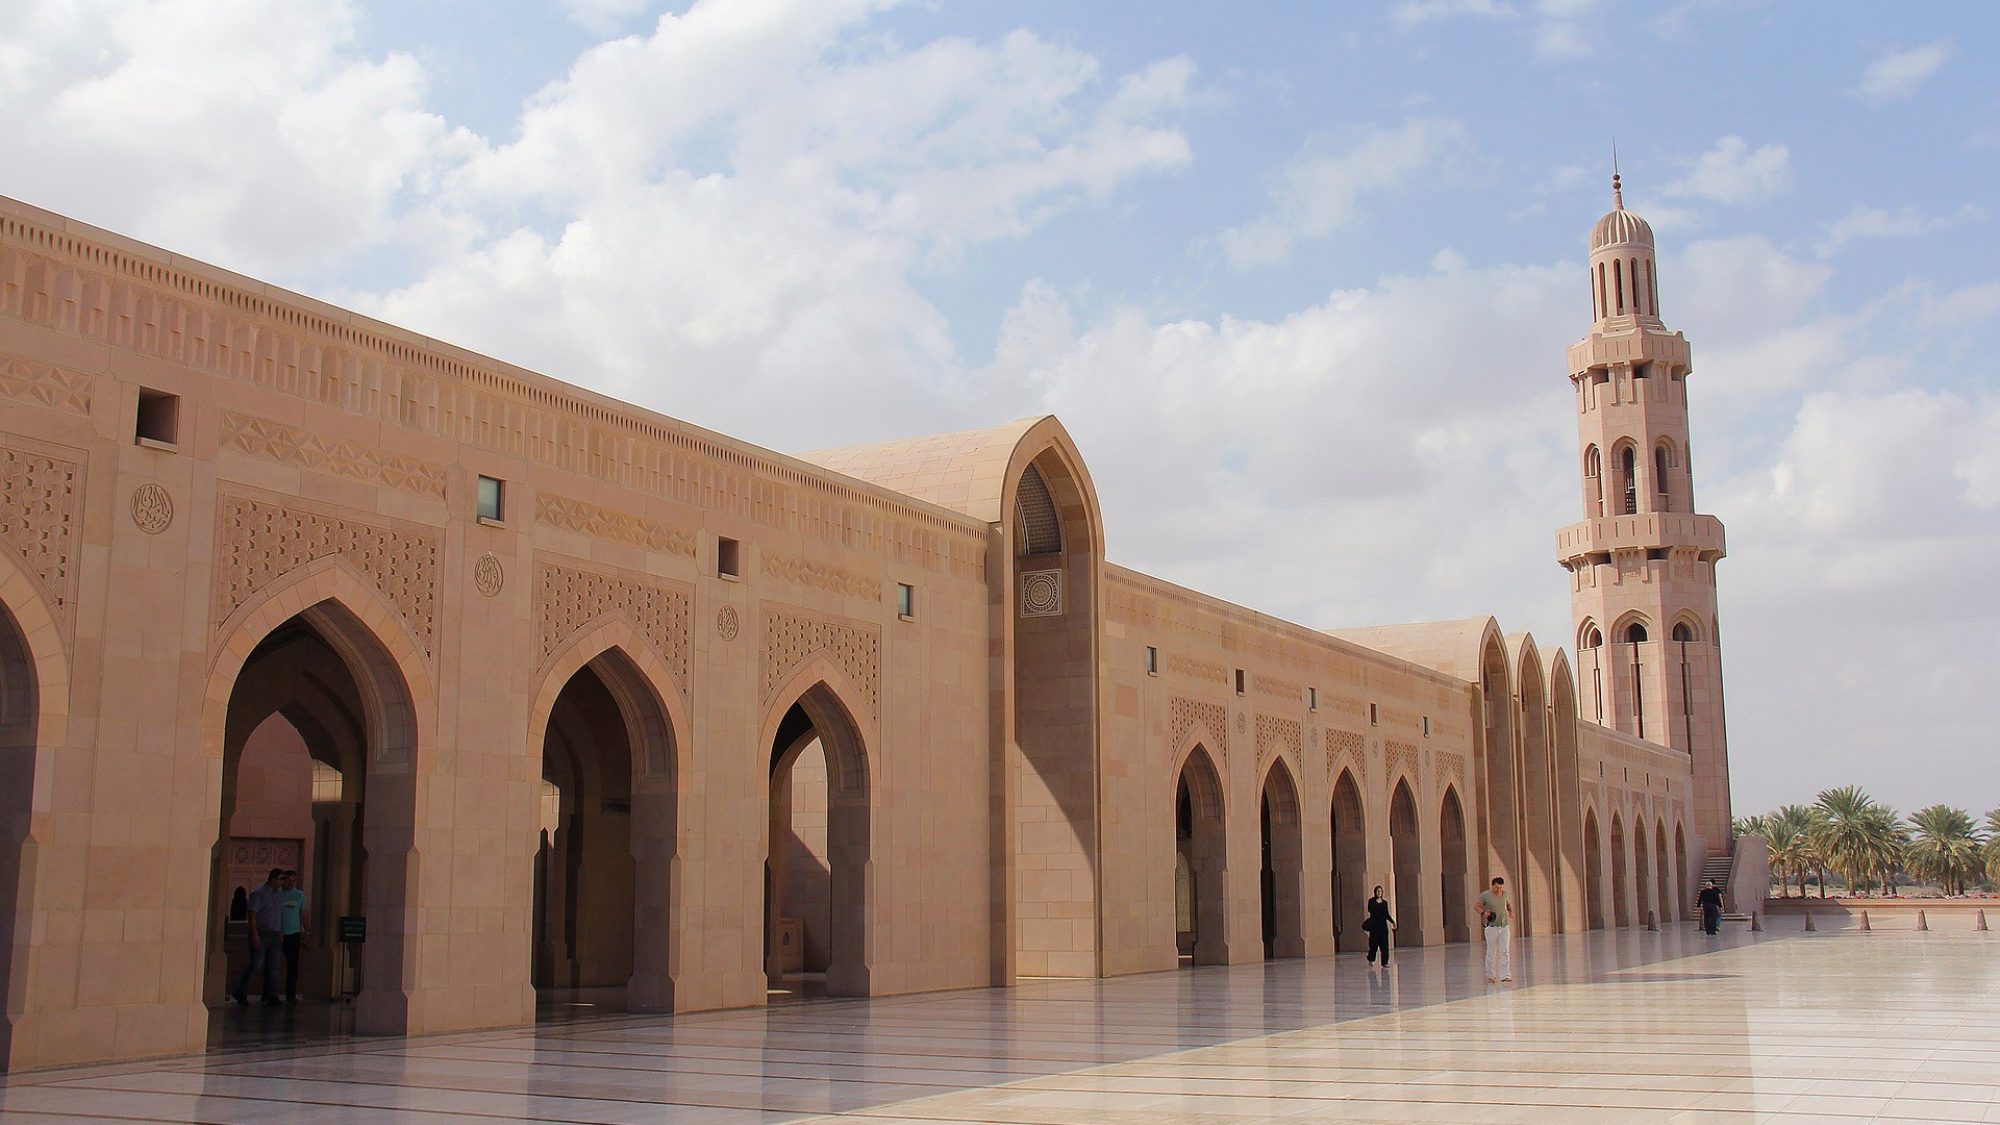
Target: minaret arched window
{"x":1618,"y":283}
{"x":1682,"y":635}
{"x":1593,"y":481}
{"x":1635,"y":635}
{"x":1628,"y":469}
{"x":1638,"y":296}
{"x":1603,"y":303}
{"x":1652,"y":290}
{"x":1660,"y":459}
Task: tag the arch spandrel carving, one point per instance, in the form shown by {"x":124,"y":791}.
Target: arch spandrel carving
{"x":569,"y":597}
{"x":791,"y":637}
{"x":39,"y":496}
{"x":1184,"y":715}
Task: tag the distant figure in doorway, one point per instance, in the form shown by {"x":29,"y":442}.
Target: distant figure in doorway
{"x":267,"y":952}
{"x":1710,"y":901}
{"x":1378,"y":925}
{"x":239,"y":905}
{"x":293,"y":930}
{"x":1496,"y":912}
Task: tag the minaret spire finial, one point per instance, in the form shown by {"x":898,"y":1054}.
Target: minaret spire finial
{"x":1617,"y":194}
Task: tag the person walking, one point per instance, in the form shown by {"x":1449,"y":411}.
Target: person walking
{"x":1496,"y":912}
{"x":267,"y":952}
{"x":1710,"y":901}
{"x":1378,"y":925}
{"x":292,"y":930}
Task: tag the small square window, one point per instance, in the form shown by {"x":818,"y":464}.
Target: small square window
{"x":1312,"y":699}
{"x":492,"y":499}
{"x":159,"y":420}
{"x":1374,"y":716}
{"x":906,"y":601}
{"x":1152,"y":661}
{"x":728,"y":558}
{"x":1240,"y":679}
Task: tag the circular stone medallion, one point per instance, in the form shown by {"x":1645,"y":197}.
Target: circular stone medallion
{"x":152,"y":508}
{"x":726,"y":624}
{"x":488,"y":575}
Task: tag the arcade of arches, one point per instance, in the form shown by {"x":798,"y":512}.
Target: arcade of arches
{"x":553,"y":701}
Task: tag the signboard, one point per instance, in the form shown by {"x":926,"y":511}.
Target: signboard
{"x":353,"y":929}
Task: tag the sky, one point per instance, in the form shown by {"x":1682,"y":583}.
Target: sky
{"x":1299,"y":279}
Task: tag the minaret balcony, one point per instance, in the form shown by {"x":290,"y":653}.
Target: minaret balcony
{"x":1645,"y":531}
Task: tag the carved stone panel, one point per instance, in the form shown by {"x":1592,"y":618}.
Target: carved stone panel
{"x":1042,"y":593}
{"x":54,"y":387}
{"x":600,"y":522}
{"x":1184,"y":714}
{"x":567,"y":598}
{"x":790,"y":638}
{"x":304,"y":449}
{"x":1402,"y":759}
{"x":259,"y":542}
{"x":38,"y":509}
{"x":1278,"y":736}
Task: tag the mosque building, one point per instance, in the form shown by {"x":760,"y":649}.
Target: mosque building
{"x":544,"y":694}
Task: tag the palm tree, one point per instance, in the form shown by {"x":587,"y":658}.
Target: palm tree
{"x":1787,"y":833}
{"x":1888,"y":843}
{"x":1854,"y":836}
{"x":1993,"y":845}
{"x":1946,"y":849}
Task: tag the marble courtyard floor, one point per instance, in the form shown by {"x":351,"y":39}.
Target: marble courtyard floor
{"x":1610,"y":1026}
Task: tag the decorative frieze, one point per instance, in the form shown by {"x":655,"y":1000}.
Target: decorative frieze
{"x":259,"y":542}
{"x":610,"y":524}
{"x":301,"y":448}
{"x":53,"y":387}
{"x":819,"y":576}
{"x":1182,"y":665}
{"x":568,"y":598}
{"x":1277,"y":687}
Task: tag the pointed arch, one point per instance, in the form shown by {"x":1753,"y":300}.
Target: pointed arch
{"x":1686,"y":863}
{"x":1593,"y":868}
{"x":653,"y":718}
{"x":1666,"y":872}
{"x":1643,"y":876}
{"x":1282,"y":877}
{"x":1456,"y":886}
{"x":820,"y":691}
{"x":1571,"y":895}
{"x":1497,"y":752}
{"x":397,"y":696}
{"x":1535,"y":791}
{"x":1406,"y":835}
{"x":1621,"y":872}
{"x":1201,"y":855}
{"x":1350,"y":863}
{"x":34,"y":712}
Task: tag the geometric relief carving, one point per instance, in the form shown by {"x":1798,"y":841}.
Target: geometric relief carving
{"x":1042,"y":593}
{"x":259,"y":542}
{"x":1402,"y":758}
{"x":304,"y":449}
{"x":1183,"y":714}
{"x":1280,"y":736}
{"x":611,"y":524}
{"x":67,"y":391}
{"x":1452,"y":766}
{"x":38,"y":500}
{"x":790,"y":639}
{"x":1198,"y":669}
{"x":800,"y":572}
{"x":567,"y":598}
{"x":1344,"y":748}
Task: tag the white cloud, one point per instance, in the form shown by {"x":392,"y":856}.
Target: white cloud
{"x":1733,"y":172}
{"x":1873,"y":222}
{"x":604,"y":16}
{"x":1897,"y":74}
{"x":1318,"y":193}
{"x":1412,"y":12}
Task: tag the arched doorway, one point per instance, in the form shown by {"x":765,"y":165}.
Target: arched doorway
{"x":1281,"y":879}
{"x":602,"y":914}
{"x":1642,"y":869}
{"x":820,"y":801}
{"x":1498,"y":788}
{"x":1405,"y":836}
{"x":1199,"y":850}
{"x":1681,"y":855}
{"x":1593,"y":872}
{"x":1539,"y":842}
{"x":1350,"y":866}
{"x":1663,"y":864}
{"x":20,"y":735}
{"x":342,"y":795}
{"x":1621,"y":899}
{"x":1451,"y":849}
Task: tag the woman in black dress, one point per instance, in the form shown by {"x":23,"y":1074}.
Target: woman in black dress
{"x":1378,"y":925}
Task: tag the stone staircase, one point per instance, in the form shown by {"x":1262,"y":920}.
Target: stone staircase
{"x":1717,"y":869}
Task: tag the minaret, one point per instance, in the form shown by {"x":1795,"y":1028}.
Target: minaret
{"x":1641,"y":561}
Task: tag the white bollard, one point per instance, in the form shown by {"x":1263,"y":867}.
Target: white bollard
{"x":1923,"y":926}
{"x":1810,"y":928}
{"x":1757,"y":922}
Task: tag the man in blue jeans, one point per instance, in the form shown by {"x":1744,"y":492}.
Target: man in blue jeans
{"x":267,"y":950}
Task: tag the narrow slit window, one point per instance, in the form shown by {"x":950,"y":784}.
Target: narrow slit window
{"x":1152,"y":661}
{"x":1312,"y":699}
{"x":906,"y":601}
{"x":728,"y":558}
{"x":1241,"y":681}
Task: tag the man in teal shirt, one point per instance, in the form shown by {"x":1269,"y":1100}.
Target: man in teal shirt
{"x":292,"y":927}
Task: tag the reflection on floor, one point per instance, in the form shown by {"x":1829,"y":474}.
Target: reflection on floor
{"x":258,"y":1026}
{"x":1627,"y":1026}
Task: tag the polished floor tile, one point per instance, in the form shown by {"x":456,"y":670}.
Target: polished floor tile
{"x":1615,"y":1026}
